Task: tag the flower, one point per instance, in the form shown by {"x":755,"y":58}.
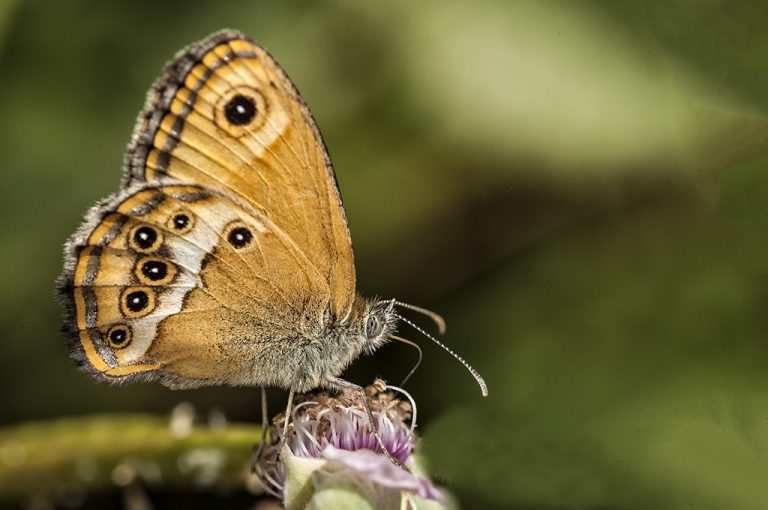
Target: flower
{"x":331,"y":455}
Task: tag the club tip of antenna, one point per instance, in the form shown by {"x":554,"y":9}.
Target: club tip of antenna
{"x":441,"y":328}
{"x":475,"y":374}
{"x":481,"y":382}
{"x":436,"y":317}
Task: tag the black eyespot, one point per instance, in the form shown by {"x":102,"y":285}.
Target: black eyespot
{"x":119,"y":336}
{"x":180,"y":221}
{"x":150,"y":271}
{"x":240,"y":110}
{"x":145,"y":237}
{"x":373,"y":326}
{"x":155,"y":270}
{"x":137,"y":300}
{"x":239,"y":237}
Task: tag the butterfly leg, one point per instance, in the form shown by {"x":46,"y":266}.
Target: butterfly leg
{"x":264,"y":414}
{"x":288,"y":409}
{"x":256,"y":466}
{"x":256,"y":456}
{"x":340,"y":384}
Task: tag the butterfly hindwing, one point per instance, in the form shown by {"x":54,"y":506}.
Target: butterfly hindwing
{"x":179,"y":282}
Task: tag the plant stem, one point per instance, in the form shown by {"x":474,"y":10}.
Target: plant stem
{"x":94,"y":453}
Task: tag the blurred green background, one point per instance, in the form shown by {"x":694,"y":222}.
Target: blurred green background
{"x":581,"y":188}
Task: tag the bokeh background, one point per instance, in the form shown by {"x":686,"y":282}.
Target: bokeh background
{"x":580,"y":188}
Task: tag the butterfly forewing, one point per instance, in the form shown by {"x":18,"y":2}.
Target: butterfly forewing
{"x":225,"y":115}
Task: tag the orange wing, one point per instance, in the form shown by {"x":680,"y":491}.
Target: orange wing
{"x":225,"y":115}
{"x":260,"y":260}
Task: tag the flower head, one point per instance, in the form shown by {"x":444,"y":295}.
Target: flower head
{"x":330,"y":444}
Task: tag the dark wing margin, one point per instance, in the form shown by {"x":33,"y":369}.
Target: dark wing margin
{"x":158,"y":104}
{"x":73,"y":251}
{"x":164,"y":90}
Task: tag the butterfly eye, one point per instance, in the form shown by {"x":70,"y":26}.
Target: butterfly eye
{"x":373,"y":326}
{"x":145,"y":239}
{"x":137,"y":302}
{"x":119,"y":336}
{"x":240,"y":110}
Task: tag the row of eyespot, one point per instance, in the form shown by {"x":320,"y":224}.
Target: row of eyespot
{"x":137,"y":302}
{"x":146,"y":239}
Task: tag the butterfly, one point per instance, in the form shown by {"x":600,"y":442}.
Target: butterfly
{"x":225,"y":258}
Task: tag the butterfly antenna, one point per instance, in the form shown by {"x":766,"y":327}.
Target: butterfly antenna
{"x":475,"y":374}
{"x":437,"y":318}
{"x":418,"y":362}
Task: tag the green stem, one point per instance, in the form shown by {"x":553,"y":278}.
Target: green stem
{"x":95,"y":453}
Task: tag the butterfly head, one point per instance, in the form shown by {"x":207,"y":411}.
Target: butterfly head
{"x":377,"y":324}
